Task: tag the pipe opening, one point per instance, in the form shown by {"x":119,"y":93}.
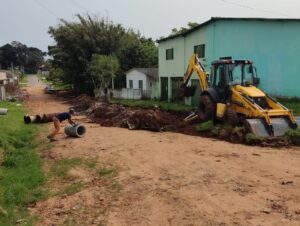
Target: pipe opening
{"x":81,"y":130}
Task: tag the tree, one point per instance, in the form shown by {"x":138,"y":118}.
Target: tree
{"x":8,"y":55}
{"x":103,"y":69}
{"x":17,"y":54}
{"x":191,"y":25}
{"x":77,"y":42}
{"x":35,"y":58}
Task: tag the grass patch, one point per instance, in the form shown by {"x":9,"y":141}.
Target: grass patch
{"x":23,"y":81}
{"x":62,"y":167}
{"x":21,"y":174}
{"x":154,"y":103}
{"x":205,"y":126}
{"x":293,"y":136}
{"x":252,"y":138}
{"x":291,"y":103}
{"x":71,"y":189}
{"x":107,"y":172}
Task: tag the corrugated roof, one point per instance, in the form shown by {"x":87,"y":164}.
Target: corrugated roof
{"x":151,"y":72}
{"x":213,"y":19}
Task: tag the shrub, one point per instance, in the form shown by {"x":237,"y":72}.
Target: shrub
{"x":293,"y":136}
{"x":252,"y":138}
{"x":205,"y":126}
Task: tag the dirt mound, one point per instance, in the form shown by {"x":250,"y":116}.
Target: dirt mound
{"x":114,"y":115}
{"x":82,"y":102}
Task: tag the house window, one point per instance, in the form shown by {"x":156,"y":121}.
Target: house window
{"x":140,"y":84}
{"x":200,"y":50}
{"x":130,"y":84}
{"x":169,"y":54}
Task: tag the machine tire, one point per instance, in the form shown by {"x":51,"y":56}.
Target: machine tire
{"x":231,"y":118}
{"x":207,"y":107}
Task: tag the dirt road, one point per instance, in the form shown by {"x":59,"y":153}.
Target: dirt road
{"x":175,"y":179}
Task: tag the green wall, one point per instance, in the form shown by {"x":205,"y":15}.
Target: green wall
{"x":273,"y":46}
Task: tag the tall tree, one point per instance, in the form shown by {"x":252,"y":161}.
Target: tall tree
{"x":8,"y":55}
{"x":103,"y":69}
{"x":17,"y":54}
{"x":76,"y":42}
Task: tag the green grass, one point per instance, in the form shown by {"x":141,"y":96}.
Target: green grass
{"x":152,"y":103}
{"x":294,"y":106}
{"x":107,"y":172}
{"x":62,"y":167}
{"x":21,"y":174}
{"x":291,"y":103}
{"x":293,"y":135}
{"x":58,"y":85}
{"x":71,"y":189}
{"x":24,"y":81}
{"x":205,"y":126}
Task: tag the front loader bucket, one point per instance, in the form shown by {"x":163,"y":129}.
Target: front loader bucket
{"x":260,"y":128}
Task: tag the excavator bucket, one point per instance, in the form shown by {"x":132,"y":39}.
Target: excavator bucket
{"x":189,"y":91}
{"x":259,"y":127}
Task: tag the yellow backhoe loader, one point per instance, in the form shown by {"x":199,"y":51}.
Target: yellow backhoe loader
{"x":230,"y":94}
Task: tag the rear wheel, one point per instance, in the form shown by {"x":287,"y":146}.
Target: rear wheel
{"x":231,"y":118}
{"x":207,"y":107}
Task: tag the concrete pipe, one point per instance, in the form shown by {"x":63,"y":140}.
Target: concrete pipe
{"x":30,"y":119}
{"x":27,"y":119}
{"x":38,"y":119}
{"x":3,"y":111}
{"x":75,"y":131}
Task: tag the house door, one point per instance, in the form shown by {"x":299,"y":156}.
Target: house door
{"x":196,"y":97}
{"x":164,"y":88}
{"x":176,"y":91}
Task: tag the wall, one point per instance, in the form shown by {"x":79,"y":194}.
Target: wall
{"x":2,"y":92}
{"x":198,"y":37}
{"x":171,"y":68}
{"x":272,"y":45}
{"x":135,"y":76}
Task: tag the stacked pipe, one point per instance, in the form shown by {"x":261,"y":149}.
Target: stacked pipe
{"x":44,"y":118}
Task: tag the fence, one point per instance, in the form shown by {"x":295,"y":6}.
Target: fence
{"x":134,"y":94}
{"x":2,"y":93}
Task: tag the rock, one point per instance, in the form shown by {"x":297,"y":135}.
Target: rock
{"x":266,"y":211}
{"x":287,"y":182}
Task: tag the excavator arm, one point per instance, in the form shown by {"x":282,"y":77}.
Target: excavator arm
{"x":195,"y":66}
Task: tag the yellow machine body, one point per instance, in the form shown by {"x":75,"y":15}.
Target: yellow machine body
{"x":272,"y":119}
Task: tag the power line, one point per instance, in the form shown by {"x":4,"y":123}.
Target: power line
{"x":253,"y":8}
{"x":46,"y":8}
{"x":78,"y":5}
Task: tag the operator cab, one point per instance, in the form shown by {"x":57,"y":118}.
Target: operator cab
{"x":227,"y":72}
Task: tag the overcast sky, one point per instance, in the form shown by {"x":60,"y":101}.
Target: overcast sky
{"x":27,"y":21}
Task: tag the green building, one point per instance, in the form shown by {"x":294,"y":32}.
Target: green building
{"x":272,"y":44}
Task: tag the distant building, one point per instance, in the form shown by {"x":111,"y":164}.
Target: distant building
{"x":272,"y":44}
{"x":145,"y":79}
{"x":44,"y":69}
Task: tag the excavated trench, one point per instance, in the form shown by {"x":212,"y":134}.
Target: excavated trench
{"x":157,"y":120}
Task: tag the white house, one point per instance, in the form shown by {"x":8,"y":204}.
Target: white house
{"x":141,"y":78}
